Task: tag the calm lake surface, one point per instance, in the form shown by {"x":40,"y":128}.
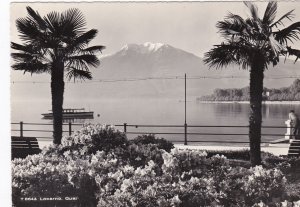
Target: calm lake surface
{"x":161,"y":112}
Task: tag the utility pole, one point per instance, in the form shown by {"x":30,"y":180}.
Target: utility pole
{"x":185,"y":125}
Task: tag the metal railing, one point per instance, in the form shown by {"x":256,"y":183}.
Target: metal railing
{"x":130,"y":129}
{"x":22,"y":129}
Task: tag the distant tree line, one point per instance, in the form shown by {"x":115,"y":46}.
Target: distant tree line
{"x":291,"y":93}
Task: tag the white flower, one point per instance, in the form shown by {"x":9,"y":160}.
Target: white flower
{"x":126,"y":183}
{"x":194,"y":180}
{"x":174,"y":151}
{"x":297,"y":203}
{"x":128,"y":169}
{"x":175,"y":200}
{"x":98,"y":179}
{"x":284,"y":204}
{"x":67,"y":153}
{"x":261,"y":204}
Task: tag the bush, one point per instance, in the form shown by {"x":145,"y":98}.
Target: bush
{"x":43,"y":176}
{"x":231,"y":154}
{"x":93,"y":138}
{"x":102,"y":168}
{"x":140,"y":155}
{"x":151,"y":139}
{"x":108,"y":139}
{"x":263,"y":185}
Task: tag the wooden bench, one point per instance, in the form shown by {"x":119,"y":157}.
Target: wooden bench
{"x":294,"y":149}
{"x":23,"y":146}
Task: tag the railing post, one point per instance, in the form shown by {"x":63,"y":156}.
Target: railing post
{"x":21,"y":129}
{"x":185,"y":133}
{"x":125,"y":127}
{"x":70,"y":128}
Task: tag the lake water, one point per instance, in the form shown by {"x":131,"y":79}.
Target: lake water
{"x":161,"y":112}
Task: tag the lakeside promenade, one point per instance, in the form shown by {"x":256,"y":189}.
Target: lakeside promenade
{"x":276,"y":149}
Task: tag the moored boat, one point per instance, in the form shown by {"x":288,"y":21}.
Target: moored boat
{"x":72,"y":113}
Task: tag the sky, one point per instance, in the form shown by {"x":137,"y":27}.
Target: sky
{"x":186,"y":25}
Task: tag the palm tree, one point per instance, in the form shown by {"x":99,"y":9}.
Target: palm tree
{"x":254,"y":43}
{"x":57,"y":44}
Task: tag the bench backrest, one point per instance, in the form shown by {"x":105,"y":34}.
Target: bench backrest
{"x":23,"y":146}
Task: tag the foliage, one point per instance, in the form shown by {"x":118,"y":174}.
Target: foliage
{"x":151,"y":139}
{"x":137,"y":174}
{"x":291,"y":93}
{"x":231,"y":154}
{"x":232,"y":94}
{"x":56,"y":36}
{"x":58,"y":44}
{"x":253,"y":38}
{"x":254,"y":43}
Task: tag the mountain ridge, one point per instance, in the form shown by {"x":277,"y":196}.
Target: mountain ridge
{"x":153,"y":60}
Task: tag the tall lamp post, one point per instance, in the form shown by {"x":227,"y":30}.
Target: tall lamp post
{"x":185,"y":125}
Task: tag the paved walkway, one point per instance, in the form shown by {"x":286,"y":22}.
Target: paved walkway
{"x":276,"y":149}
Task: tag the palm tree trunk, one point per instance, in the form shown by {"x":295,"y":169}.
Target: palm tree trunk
{"x":255,"y":116}
{"x":57,"y":92}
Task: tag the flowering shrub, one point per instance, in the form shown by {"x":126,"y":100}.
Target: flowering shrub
{"x":271,"y":184}
{"x":93,"y":138}
{"x":151,"y":139}
{"x":40,"y":176}
{"x":243,"y":154}
{"x":102,"y":168}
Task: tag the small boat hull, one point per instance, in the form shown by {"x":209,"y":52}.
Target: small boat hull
{"x":71,"y":115}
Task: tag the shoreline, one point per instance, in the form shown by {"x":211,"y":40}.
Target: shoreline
{"x":247,"y":102}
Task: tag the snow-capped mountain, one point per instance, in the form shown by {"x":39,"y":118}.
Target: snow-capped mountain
{"x":148,"y":59}
{"x":147,"y":47}
{"x":157,"y":60}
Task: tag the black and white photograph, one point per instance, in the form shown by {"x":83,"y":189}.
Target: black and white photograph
{"x":154,"y":104}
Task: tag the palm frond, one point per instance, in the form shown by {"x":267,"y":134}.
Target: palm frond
{"x":83,"y":61}
{"x":86,"y":37}
{"x":32,"y":67}
{"x":55,"y":36}
{"x":35,"y":16}
{"x":53,"y":21}
{"x":235,"y":17}
{"x":76,"y":73}
{"x":289,"y":33}
{"x":80,"y":42}
{"x":276,"y":47}
{"x":93,"y":49}
{"x":289,"y":15}
{"x":232,"y":25}
{"x":73,"y":22}
{"x":226,"y":54}
{"x":253,"y":9}
{"x":270,"y":13}
{"x":294,"y":52}
{"x":23,"y":48}
{"x":22,"y":57}
{"x":28,"y":29}
{"x":229,"y":28}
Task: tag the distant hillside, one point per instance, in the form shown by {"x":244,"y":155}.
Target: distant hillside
{"x":291,"y":93}
{"x":148,"y":62}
